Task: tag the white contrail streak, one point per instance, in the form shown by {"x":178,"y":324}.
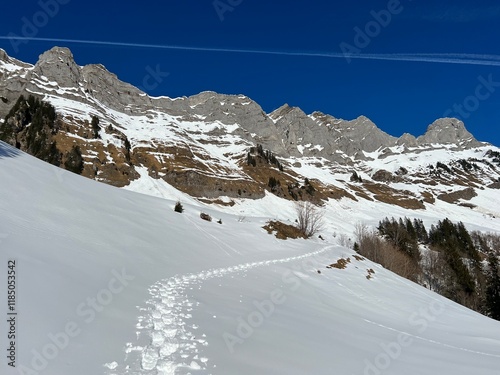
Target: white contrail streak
{"x":442,"y":58}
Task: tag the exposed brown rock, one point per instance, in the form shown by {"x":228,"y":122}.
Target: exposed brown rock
{"x":466,"y":194}
{"x":385,"y":176}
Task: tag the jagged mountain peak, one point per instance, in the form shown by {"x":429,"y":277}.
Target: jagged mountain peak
{"x":57,"y":65}
{"x":62,"y":53}
{"x":360,"y":134}
{"x":286,"y":131}
{"x":408,"y":140}
{"x":3,"y":55}
{"x":286,"y":110}
{"x":448,"y":131}
{"x":5,"y":58}
{"x":202,"y":144}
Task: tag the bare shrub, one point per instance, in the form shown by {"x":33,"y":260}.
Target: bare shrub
{"x":380,"y":251}
{"x":309,"y":217}
{"x":433,"y":267}
{"x":345,"y":241}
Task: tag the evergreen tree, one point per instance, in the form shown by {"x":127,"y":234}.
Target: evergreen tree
{"x":420,"y":230}
{"x":493,"y":287}
{"x":402,"y":235}
{"x":29,"y":125}
{"x":127,"y":149}
{"x":251,"y":160}
{"x":74,"y":160}
{"x":273,"y":184}
{"x":95,"y":127}
{"x":356,"y":247}
{"x":453,"y":241}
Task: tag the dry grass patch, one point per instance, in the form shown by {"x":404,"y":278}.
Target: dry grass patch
{"x":338,"y":193}
{"x":340,"y":264}
{"x":402,"y":198}
{"x":283,"y":231}
{"x":201,"y":185}
{"x":428,"y":197}
{"x":453,"y":197}
{"x":360,"y":192}
{"x":220,"y":202}
{"x":371,"y":272}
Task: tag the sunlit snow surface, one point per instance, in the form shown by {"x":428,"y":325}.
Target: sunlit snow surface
{"x":146,"y":290}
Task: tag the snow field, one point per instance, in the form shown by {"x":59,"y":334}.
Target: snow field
{"x":198,"y":291}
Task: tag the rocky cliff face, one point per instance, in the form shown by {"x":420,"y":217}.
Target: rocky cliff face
{"x":286,"y":131}
{"x":203,"y":144}
{"x":448,"y":131}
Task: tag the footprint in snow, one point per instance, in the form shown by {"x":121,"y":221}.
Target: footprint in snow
{"x":171,"y":343}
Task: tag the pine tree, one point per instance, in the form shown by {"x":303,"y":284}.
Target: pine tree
{"x":422,"y":235}
{"x":356,"y":247}
{"x":95,"y":127}
{"x":179,"y":207}
{"x":493,"y":287}
{"x":74,"y":160}
{"x":127,"y":149}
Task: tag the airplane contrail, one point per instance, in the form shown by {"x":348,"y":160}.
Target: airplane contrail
{"x":442,"y":58}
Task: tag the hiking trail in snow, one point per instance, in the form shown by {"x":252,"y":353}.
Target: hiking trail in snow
{"x":167,"y":343}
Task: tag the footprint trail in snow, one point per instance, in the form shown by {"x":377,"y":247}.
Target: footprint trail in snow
{"x":167,"y":343}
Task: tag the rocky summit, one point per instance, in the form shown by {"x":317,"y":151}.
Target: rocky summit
{"x":220,"y":147}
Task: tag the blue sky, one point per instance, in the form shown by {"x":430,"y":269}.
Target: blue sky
{"x":411,"y":61}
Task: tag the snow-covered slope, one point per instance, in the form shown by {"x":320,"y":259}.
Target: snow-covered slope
{"x":113,"y":282}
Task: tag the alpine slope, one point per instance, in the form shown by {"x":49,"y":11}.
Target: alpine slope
{"x":112,"y":282}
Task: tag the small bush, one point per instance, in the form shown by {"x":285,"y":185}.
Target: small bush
{"x":310,"y":218}
{"x":179,"y":207}
{"x":205,"y":216}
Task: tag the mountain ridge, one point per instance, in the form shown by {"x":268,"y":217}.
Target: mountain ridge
{"x":58,"y":65}
{"x":225,"y":147}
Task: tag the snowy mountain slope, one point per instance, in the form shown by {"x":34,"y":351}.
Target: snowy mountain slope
{"x":200,"y":144}
{"x":119,"y":279}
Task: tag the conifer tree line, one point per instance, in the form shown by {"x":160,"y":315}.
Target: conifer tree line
{"x":267,"y":156}
{"x":448,"y":259}
{"x":37,"y":137}
{"x":31,"y":125}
